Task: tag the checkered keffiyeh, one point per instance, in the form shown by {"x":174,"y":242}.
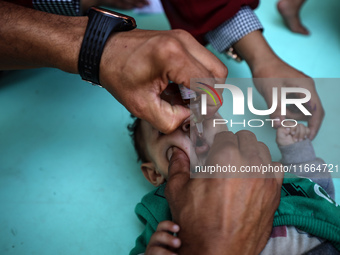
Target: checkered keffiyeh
{"x":62,"y":7}
{"x":232,"y":30}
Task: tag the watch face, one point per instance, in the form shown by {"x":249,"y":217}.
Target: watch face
{"x":130,"y":22}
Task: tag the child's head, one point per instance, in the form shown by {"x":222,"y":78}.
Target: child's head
{"x":154,"y":149}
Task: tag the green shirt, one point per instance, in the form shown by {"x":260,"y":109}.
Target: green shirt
{"x":304,"y":204}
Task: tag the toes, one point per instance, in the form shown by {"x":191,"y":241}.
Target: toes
{"x":289,"y":11}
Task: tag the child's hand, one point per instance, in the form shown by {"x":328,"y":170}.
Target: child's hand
{"x":162,"y":242}
{"x":287,"y":136}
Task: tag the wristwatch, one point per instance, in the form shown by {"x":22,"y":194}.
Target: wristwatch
{"x":102,"y":23}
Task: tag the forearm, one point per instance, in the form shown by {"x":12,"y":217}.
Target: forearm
{"x":30,"y":39}
{"x":254,"y":49}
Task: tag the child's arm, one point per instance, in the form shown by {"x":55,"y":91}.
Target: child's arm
{"x":162,"y":241}
{"x":299,"y":156}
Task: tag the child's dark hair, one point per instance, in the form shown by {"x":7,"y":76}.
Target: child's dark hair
{"x":135,"y":132}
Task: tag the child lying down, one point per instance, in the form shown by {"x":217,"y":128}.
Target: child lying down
{"x":306,"y":222}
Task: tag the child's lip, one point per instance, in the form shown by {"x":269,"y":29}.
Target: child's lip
{"x":203,"y":148}
{"x":200,"y":144}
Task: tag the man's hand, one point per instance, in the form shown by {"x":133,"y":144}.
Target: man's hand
{"x":224,"y":215}
{"x":137,"y":65}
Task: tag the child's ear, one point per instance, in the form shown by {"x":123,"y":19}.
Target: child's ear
{"x":151,"y":174}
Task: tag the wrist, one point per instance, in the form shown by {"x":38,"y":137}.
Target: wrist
{"x":72,"y":31}
{"x":102,"y":23}
{"x":120,"y":46}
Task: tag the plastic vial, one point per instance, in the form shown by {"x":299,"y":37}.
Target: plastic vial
{"x":193,"y":101}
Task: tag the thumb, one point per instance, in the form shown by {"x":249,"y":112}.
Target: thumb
{"x":179,"y":165}
{"x":168,"y":117}
{"x":179,"y":173}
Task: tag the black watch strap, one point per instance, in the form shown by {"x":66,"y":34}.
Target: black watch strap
{"x":99,"y":27}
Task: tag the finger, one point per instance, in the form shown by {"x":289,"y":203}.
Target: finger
{"x":226,"y":137}
{"x":165,"y":117}
{"x":223,"y":140}
{"x":251,"y":148}
{"x":189,"y":67}
{"x":172,"y":95}
{"x":168,"y":226}
{"x":247,"y":140}
{"x":307,"y":133}
{"x":181,"y":65}
{"x":303,"y":130}
{"x":315,"y":122}
{"x":202,"y":55}
{"x":300,"y":133}
{"x":284,"y":130}
{"x":179,"y":166}
{"x":224,"y":148}
{"x":255,"y":151}
{"x":295,"y":131}
{"x":264,"y":152}
{"x":164,"y":239}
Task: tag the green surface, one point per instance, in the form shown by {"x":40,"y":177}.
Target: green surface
{"x":69,"y":180}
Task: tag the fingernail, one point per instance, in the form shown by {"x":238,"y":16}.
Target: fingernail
{"x":175,"y":228}
{"x":295,"y":140}
{"x":300,"y":140}
{"x":176,"y":242}
{"x":293,"y":133}
{"x":169,"y":153}
{"x":305,"y":137}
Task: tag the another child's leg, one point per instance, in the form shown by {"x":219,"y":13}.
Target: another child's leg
{"x":290,"y":12}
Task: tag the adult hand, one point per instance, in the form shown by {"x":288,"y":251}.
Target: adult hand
{"x":264,"y":63}
{"x":224,"y":215}
{"x":137,"y":65}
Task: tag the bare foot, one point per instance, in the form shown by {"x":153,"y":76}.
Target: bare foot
{"x":289,"y":10}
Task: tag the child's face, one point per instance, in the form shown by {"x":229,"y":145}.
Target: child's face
{"x":159,"y":147}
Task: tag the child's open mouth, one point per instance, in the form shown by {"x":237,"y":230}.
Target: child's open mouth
{"x":200,"y":144}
